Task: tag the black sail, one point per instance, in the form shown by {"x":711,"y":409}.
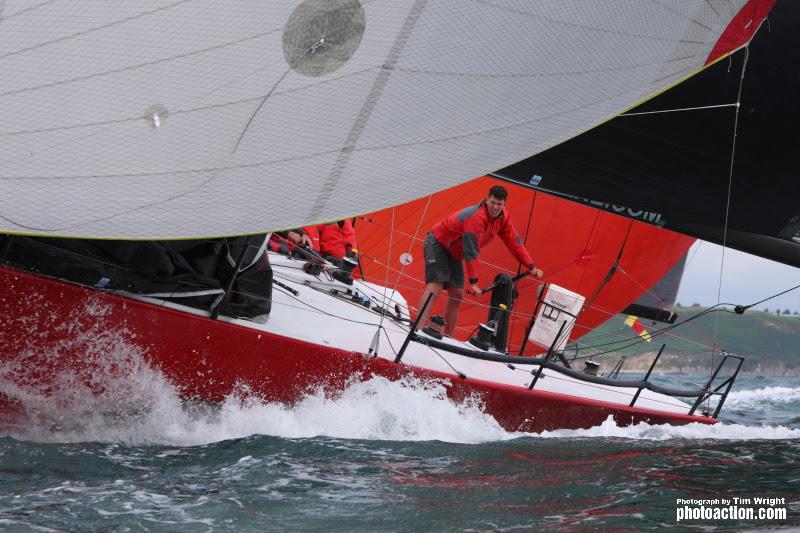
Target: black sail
{"x":674,"y":169}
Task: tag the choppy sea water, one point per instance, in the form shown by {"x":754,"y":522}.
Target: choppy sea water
{"x":389,"y":456}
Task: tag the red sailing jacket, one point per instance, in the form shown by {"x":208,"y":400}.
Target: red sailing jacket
{"x":336,"y":239}
{"x":464,"y":233}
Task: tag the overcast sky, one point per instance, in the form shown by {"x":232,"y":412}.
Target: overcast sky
{"x":745,"y":279}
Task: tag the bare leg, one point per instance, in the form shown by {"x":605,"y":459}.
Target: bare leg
{"x":454,"y":297}
{"x":430,"y":288}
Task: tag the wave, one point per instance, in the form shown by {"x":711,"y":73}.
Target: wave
{"x":115,"y":396}
{"x":377,"y":409}
{"x":643,"y":431}
{"x":774,"y":396}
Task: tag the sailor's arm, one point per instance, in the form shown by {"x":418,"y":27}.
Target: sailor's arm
{"x":517,"y":248}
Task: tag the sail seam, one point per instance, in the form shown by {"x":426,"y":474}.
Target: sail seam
{"x":141,"y":65}
{"x":92,"y":30}
{"x":591,"y":28}
{"x":26,"y":10}
{"x":544,"y":74}
{"x":366,"y":110}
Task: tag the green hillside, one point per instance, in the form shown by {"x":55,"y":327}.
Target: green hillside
{"x":769,"y":342}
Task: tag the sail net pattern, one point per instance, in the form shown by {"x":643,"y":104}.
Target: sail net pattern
{"x":185,"y":118}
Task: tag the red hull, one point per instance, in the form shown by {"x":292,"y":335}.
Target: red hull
{"x":48,"y":327}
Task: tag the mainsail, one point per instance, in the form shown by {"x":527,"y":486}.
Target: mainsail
{"x":692,"y":160}
{"x":177,"y":118}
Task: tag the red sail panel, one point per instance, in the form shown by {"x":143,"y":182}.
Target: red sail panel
{"x":573,"y":244}
{"x":741,"y":28}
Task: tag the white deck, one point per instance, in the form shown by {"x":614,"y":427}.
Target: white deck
{"x":317,"y":316}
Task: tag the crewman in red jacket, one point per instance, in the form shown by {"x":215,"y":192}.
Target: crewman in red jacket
{"x":459,"y":238}
{"x":285,"y":241}
{"x":337,"y":239}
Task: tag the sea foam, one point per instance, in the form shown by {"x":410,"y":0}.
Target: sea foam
{"x":377,"y":409}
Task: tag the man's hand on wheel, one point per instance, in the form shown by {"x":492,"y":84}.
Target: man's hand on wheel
{"x":474,"y":290}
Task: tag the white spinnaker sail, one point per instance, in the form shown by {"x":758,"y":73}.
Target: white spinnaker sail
{"x":189,"y":118}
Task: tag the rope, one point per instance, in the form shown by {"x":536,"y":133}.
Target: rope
{"x":658,"y":332}
{"x":611,"y":270}
{"x":681,"y":109}
{"x":655,"y":297}
{"x":402,"y":267}
{"x":770,"y":298}
{"x":386,"y":280}
{"x":728,"y":199}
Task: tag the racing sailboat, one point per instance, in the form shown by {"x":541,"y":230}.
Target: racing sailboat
{"x":185,"y":120}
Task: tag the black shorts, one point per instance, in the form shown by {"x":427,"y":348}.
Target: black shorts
{"x":440,"y":267}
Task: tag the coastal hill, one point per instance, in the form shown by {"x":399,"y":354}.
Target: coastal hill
{"x":770,"y":342}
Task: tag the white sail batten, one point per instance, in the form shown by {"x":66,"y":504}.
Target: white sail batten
{"x":190,"y":118}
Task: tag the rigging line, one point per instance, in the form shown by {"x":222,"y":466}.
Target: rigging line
{"x":414,"y":238}
{"x":665,"y":331}
{"x":528,"y":227}
{"x":659,"y":300}
{"x":443,"y":358}
{"x":558,"y":377}
{"x":511,"y":317}
{"x":308,"y":306}
{"x":735,"y":104}
{"x":647,"y":291}
{"x":386,"y":277}
{"x":478,"y":304}
{"x":260,"y":105}
{"x":342,"y":298}
{"x":612,"y":270}
{"x":420,"y":282}
{"x":728,"y":199}
{"x":690,"y":258}
{"x":389,"y":340}
{"x":591,"y":231}
{"x":636,"y":342}
{"x":773,"y":296}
